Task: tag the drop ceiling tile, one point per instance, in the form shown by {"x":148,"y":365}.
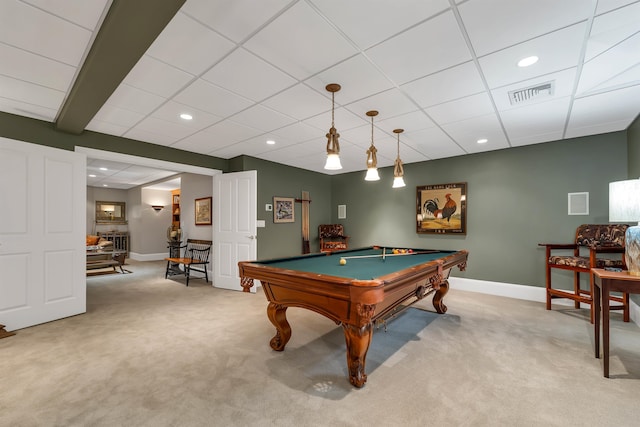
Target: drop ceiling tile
{"x":453,"y":83}
{"x":96,"y":125}
{"x":607,"y":112}
{"x":134,"y":99}
{"x":84,"y":13}
{"x":410,"y":122}
{"x":493,"y":25}
{"x":563,"y":81}
{"x":277,"y":44}
{"x":432,"y":143}
{"x":45,"y":34}
{"x":610,"y":64}
{"x":626,"y":78}
{"x":612,"y":28}
{"x":536,"y":123}
{"x":262,"y":118}
{"x":557,"y":51}
{"x":357,"y":76}
{"x":389,"y":103}
{"x":30,"y":93}
{"x":430,"y":47}
{"x":461,"y":109}
{"x":156,"y":77}
{"x":607,"y":5}
{"x":183,"y":42}
{"x":212,"y":99}
{"x":171,"y":111}
{"x":233,"y":18}
{"x":169,"y":130}
{"x":298,"y":132}
{"x":247,"y":75}
{"x":219,"y":135}
{"x":467,"y":132}
{"x":26,"y":66}
{"x":384,"y":18}
{"x":28,"y":110}
{"x":343,"y":120}
{"x":117,"y":116}
{"x":154,"y":136}
{"x":300,"y":102}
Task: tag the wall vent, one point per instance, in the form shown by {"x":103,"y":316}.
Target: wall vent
{"x":539,"y":91}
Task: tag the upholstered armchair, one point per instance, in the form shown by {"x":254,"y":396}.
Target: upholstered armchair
{"x":586,"y":252}
{"x":332,"y":237}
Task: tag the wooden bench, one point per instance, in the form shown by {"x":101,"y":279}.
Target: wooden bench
{"x":196,"y":253}
{"x":117,"y":260}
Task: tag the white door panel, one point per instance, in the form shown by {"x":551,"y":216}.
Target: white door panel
{"x":42,"y":226}
{"x":235,"y":232}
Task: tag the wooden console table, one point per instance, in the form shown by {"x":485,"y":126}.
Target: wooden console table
{"x":120,"y":239}
{"x":605,"y":282}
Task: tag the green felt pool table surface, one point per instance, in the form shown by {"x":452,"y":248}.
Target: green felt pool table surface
{"x":357,"y":268}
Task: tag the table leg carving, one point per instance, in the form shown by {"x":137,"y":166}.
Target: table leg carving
{"x":278,"y":316}
{"x":246,"y":283}
{"x":358,"y":340}
{"x":437,"y":298}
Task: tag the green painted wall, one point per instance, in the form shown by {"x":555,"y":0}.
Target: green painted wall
{"x":283,"y":239}
{"x":516,"y":198}
{"x":633,"y":137}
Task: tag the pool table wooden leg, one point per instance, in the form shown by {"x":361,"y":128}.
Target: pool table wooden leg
{"x":358,"y":340}
{"x":437,"y":298}
{"x":278,"y":316}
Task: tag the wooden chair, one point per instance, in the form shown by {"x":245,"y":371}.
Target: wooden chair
{"x":196,"y":253}
{"x":597,"y":239}
{"x":332,"y":237}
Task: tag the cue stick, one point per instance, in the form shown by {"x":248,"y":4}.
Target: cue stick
{"x":384,"y":253}
{"x":379,"y":255}
{"x":305,"y":222}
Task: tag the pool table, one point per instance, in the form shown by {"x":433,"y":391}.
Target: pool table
{"x":367,"y":288}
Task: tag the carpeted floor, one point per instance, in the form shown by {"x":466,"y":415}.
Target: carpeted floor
{"x":151,"y":352}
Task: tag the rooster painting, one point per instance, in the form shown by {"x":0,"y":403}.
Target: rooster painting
{"x":447,"y":210}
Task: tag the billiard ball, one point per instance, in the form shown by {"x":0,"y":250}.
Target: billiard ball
{"x":343,"y":261}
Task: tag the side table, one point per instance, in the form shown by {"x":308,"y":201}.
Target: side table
{"x":605,"y":282}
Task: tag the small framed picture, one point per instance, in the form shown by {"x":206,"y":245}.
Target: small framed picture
{"x":283,"y":209}
{"x":442,"y":208}
{"x":176,"y":199}
{"x":203,"y":211}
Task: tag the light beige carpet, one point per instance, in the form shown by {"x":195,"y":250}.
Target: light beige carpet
{"x":151,"y":352}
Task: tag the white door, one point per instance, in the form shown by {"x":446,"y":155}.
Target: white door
{"x":234,"y":230}
{"x":42,"y":227}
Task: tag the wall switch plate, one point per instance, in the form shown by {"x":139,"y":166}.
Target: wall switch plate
{"x":260,"y":223}
{"x":268,"y":207}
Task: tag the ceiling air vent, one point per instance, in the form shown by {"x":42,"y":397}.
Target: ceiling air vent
{"x":532,"y":93}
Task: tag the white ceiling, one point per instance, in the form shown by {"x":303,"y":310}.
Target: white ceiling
{"x":440,"y":69}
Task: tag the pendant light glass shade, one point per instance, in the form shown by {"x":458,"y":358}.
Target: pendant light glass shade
{"x":398,"y":170}
{"x":372,"y":159}
{"x":333,"y":146}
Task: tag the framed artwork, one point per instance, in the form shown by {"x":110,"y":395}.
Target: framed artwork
{"x":283,"y":209}
{"x":442,"y":208}
{"x":203,"y":211}
{"x":176,"y":199}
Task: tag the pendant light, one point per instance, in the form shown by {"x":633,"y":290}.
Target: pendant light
{"x":398,"y":170}
{"x":333,"y":146}
{"x":372,"y":159}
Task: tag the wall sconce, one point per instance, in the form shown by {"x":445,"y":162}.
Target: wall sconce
{"x":157,"y":208}
{"x":333,"y":146}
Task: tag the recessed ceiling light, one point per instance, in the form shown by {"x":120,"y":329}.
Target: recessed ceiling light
{"x":529,"y":60}
{"x":92,"y":176}
{"x":104,"y":185}
{"x":482,"y":140}
{"x":271,"y":142}
{"x":104,"y":169}
{"x":185,"y":116}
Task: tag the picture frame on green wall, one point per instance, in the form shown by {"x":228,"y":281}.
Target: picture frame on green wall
{"x":283,"y":209}
{"x":441,"y":208}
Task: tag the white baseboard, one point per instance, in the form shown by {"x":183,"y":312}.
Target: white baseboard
{"x":529,"y":293}
{"x":147,"y":257}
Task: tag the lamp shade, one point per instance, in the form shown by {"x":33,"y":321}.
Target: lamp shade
{"x":372,"y":175}
{"x":333,"y":162}
{"x":624,"y":206}
{"x":624,"y":201}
